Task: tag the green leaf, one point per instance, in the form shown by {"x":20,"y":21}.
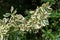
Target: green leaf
{"x":55,"y":15}
{"x":7,"y":15}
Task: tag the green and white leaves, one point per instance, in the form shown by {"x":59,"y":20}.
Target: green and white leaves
{"x":38,"y":19}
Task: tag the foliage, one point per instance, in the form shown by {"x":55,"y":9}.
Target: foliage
{"x":43,"y":23}
{"x":13,"y":22}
